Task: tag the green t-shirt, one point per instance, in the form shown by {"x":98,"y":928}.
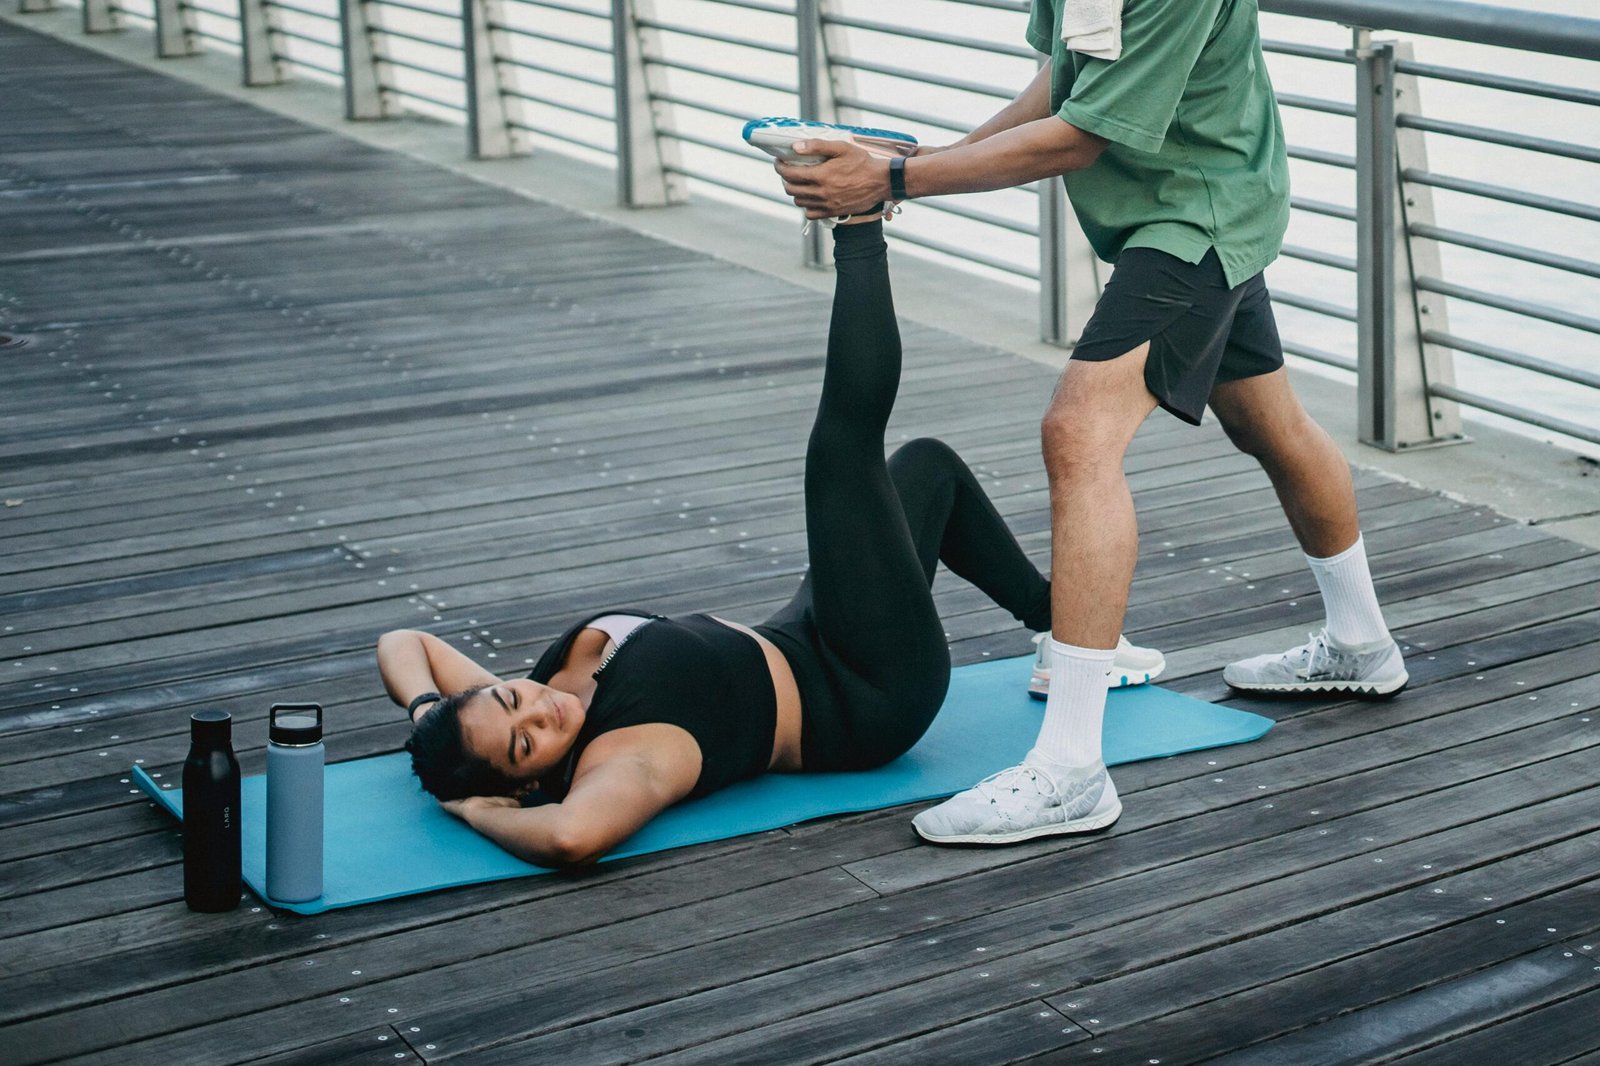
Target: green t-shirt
{"x":1196,"y":158}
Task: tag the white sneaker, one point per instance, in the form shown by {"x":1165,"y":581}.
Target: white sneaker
{"x":1320,"y":665}
{"x":776,"y":136}
{"x":1024,"y":802}
{"x":1132,"y":665}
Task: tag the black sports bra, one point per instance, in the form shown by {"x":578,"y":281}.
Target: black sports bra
{"x":693,"y":672}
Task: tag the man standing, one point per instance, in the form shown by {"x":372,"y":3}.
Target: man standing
{"x":1171,"y":148}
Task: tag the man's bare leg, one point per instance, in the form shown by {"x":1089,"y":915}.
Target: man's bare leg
{"x":1354,"y":652}
{"x":1062,"y":785}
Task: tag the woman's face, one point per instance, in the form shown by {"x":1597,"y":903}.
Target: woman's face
{"x":521,"y":728}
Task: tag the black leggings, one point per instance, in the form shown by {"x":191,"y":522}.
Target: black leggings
{"x":862,"y":634}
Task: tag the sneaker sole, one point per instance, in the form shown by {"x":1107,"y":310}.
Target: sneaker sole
{"x":1041,"y":690}
{"x":1374,"y":691}
{"x":778,"y":141}
{"x":1095,"y":823}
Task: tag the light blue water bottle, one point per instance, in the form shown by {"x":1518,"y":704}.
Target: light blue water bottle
{"x":294,"y":802}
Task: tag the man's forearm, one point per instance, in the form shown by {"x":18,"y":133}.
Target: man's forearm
{"x":1030,"y":104}
{"x":1042,"y":148}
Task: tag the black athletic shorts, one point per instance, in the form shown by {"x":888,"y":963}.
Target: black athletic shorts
{"x":1200,"y":331}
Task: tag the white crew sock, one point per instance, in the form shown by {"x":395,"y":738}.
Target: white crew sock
{"x":1354,"y":617}
{"x":1079,"y":678}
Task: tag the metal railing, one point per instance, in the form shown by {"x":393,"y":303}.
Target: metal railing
{"x":653,"y":87}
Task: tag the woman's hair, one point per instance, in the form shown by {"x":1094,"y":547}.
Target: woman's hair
{"x":443,"y":765}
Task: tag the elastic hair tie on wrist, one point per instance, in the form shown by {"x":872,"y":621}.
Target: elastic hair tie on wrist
{"x":426,"y":697}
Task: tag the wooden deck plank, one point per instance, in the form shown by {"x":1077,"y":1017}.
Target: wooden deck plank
{"x":219,"y":299}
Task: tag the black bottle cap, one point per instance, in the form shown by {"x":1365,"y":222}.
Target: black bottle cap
{"x":295,"y":723}
{"x":211,"y":727}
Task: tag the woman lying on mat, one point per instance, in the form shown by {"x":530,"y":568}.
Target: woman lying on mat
{"x":628,"y":713}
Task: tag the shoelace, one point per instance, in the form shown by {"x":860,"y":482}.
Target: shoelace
{"x":1318,"y":652}
{"x":991,"y":786}
{"x":830,"y":223}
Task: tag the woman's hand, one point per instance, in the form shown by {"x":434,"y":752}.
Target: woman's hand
{"x":463,"y":808}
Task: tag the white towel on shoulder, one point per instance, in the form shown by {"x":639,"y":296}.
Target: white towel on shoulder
{"x":1093,"y":28}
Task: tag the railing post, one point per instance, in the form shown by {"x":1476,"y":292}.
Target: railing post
{"x":364,"y":94}
{"x":175,"y":36}
{"x":1422,"y":417}
{"x":643,"y":155}
{"x":490,"y":134}
{"x":817,"y":103}
{"x":1069,"y":273}
{"x":258,"y":42}
{"x":100,"y":16}
{"x":1395,"y":410}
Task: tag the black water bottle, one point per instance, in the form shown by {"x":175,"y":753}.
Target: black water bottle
{"x":211,"y":815}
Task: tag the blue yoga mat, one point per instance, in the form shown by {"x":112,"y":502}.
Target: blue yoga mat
{"x":387,"y":838}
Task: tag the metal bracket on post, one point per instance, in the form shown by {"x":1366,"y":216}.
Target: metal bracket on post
{"x":364,"y":94}
{"x":1420,"y":364}
{"x":259,"y":30}
{"x":175,"y":30}
{"x":646,"y":161}
{"x":817,"y":104}
{"x":35,"y":7}
{"x":490,"y":133}
{"x":100,"y":16}
{"x":1395,"y":410}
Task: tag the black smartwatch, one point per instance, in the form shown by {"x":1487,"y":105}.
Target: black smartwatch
{"x":897,"y":178}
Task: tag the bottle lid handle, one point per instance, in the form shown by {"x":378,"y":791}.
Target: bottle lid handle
{"x":295,"y":708}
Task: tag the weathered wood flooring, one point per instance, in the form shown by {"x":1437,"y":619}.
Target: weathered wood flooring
{"x":281,"y":392}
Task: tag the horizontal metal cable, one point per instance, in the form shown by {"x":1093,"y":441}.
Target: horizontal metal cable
{"x":729,"y":148}
{"x":563,"y":105}
{"x":1317,"y":103}
{"x":426,"y":98}
{"x":726,"y":184}
{"x":1516,"y":412}
{"x":1306,"y":51}
{"x":701,"y":105}
{"x":975,"y":215}
{"x":1526,"y":308}
{"x":231,"y":14}
{"x":1317,"y":155}
{"x":712,"y":72}
{"x":309,"y":65}
{"x":900,"y":113}
{"x":431,"y":42}
{"x":406,"y":64}
{"x":306,"y":37}
{"x":418,"y":8}
{"x":999,"y":92}
{"x":1510,"y":251}
{"x":551,"y":38}
{"x":1317,"y":355}
{"x":571,"y":9}
{"x":1503,"y":193}
{"x":721,"y":38}
{"x":932,"y":36}
{"x":956,"y":252}
{"x":572,"y":75}
{"x":1522,"y":86}
{"x":1315,"y":255}
{"x":1510,"y":358}
{"x":217,"y":37}
{"x":1021,"y":7}
{"x":581,"y":142}
{"x":1322,"y":207}
{"x":297,"y":9}
{"x":1320,"y":307}
{"x":757,"y":5}
{"x":1485,"y":135}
